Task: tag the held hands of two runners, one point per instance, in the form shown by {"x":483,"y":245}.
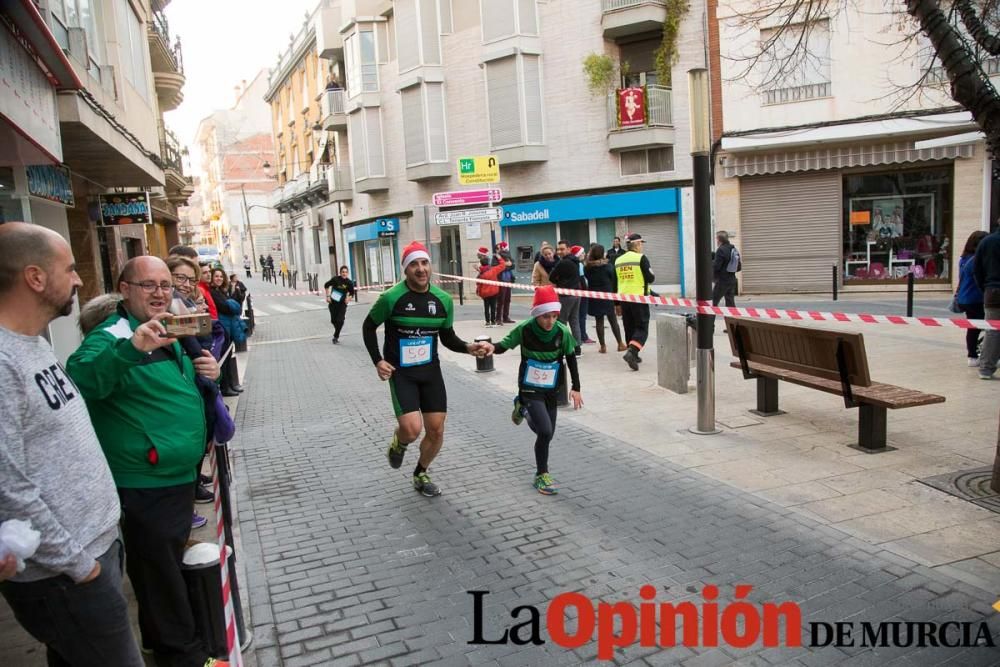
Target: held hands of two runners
{"x":480,"y":349}
{"x":577,"y":399}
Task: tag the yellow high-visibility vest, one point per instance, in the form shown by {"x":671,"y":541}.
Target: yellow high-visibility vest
{"x":630,"y":278}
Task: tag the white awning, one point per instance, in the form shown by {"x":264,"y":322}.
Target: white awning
{"x":838,"y":158}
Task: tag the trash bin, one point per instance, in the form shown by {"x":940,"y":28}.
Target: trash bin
{"x":200,"y":567}
{"x":484,"y":364}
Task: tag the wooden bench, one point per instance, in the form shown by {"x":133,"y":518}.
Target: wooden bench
{"x":830,"y":361}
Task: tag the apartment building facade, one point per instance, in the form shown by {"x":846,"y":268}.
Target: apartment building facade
{"x":836,"y":165}
{"x":423,"y":83}
{"x":235,"y":178}
{"x":82,"y":115}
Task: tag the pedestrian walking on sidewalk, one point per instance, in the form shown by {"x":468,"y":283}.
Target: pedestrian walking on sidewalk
{"x":247,"y":264}
{"x":600,"y":278}
{"x":149,"y":417}
{"x":566,"y":275}
{"x":340,"y":290}
{"x":270,"y":270}
{"x":52,"y":470}
{"x":987,"y":274}
{"x":726,"y":263}
{"x":634,"y":276}
{"x":969,"y":296}
{"x":417,"y":315}
{"x":545,"y":343}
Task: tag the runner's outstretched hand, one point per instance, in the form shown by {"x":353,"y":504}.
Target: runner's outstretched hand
{"x":577,"y":399}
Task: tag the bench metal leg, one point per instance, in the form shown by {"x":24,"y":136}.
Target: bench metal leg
{"x":872,"y":430}
{"x":767,"y":398}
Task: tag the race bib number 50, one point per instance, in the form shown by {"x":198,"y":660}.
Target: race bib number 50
{"x":415,"y":351}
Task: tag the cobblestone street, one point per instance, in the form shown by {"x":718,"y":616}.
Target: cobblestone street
{"x":348,"y":565}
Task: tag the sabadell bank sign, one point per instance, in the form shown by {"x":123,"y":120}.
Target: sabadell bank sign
{"x":528,"y":217}
{"x":610,"y":205}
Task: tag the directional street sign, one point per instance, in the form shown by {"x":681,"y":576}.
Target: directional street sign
{"x":478,"y":170}
{"x":467,"y":216}
{"x":467,"y":197}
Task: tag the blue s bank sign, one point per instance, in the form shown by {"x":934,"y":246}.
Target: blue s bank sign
{"x":614,"y":205}
{"x":381,"y":227}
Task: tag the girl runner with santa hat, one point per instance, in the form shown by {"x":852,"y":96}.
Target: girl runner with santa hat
{"x":545,"y":342}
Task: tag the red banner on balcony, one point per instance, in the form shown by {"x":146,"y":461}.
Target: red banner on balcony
{"x":631,"y":107}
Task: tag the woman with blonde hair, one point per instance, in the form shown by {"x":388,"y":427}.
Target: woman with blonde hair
{"x":544,"y":261}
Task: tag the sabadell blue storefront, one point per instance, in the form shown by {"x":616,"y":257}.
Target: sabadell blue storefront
{"x":656,"y":214}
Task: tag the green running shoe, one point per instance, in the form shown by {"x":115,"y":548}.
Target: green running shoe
{"x":397,"y":451}
{"x":517,"y":416}
{"x":424,"y":485}
{"x":545,"y":484}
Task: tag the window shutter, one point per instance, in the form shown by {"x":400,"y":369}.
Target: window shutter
{"x":430,"y":33}
{"x":533,"y":100}
{"x":413,"y":126}
{"x":504,"y":102}
{"x":359,"y":154}
{"x":497,"y":19}
{"x":633,"y":162}
{"x":436,"y":136}
{"x":405,"y":15}
{"x":528,"y":17}
{"x":373,"y":141}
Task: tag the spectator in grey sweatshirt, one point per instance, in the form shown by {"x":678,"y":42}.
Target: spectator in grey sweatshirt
{"x":52,"y":470}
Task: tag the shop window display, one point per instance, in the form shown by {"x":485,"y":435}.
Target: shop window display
{"x":897,"y":223}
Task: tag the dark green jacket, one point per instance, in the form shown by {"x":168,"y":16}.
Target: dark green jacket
{"x":146,"y":408}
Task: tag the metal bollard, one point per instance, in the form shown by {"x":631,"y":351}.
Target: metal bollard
{"x":834,"y":282}
{"x":909,"y":294}
{"x":484,"y":364}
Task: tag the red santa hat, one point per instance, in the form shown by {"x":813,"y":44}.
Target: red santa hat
{"x":546,"y":301}
{"x":413,"y":252}
{"x":503,"y":245}
{"x":576,"y":250}
{"x":483,"y":250}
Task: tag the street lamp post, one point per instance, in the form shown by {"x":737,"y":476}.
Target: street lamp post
{"x":246,"y":216}
{"x":701,"y":145}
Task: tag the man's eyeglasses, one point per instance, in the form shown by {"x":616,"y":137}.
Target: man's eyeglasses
{"x":148,"y":286}
{"x":181,"y":280}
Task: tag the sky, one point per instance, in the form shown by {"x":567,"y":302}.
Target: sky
{"x":224,"y":42}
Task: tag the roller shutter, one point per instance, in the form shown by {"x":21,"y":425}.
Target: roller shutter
{"x":662,"y":246}
{"x":790,"y":232}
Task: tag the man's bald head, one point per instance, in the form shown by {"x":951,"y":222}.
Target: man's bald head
{"x":23,"y":245}
{"x":138,"y":273}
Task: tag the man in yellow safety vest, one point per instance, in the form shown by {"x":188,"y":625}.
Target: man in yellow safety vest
{"x":633,"y":276}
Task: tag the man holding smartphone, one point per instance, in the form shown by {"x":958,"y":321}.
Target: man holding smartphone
{"x":149,"y":416}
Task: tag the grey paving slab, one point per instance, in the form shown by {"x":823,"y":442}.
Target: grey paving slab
{"x":349,"y":564}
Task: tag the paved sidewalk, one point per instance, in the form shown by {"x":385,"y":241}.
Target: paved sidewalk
{"x":347,"y":565}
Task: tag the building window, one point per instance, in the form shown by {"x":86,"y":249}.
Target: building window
{"x":507,"y":18}
{"x":68,"y":14}
{"x":647,"y":161}
{"x":368,"y":160}
{"x":514,"y":98}
{"x":420,"y":45}
{"x":133,"y":48}
{"x":796,"y":62}
{"x":896,"y":223}
{"x":362,"y":65}
{"x":423,"y":124}
{"x":317,"y":256}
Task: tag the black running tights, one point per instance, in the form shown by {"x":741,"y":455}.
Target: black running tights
{"x":541,"y":419}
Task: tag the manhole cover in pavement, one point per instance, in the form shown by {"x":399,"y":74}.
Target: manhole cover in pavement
{"x":738,"y":421}
{"x":972,"y":485}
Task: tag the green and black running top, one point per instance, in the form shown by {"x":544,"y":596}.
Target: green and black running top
{"x":413,"y":323}
{"x":542,"y":354}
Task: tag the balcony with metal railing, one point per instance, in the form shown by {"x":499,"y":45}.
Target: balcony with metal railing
{"x":644,"y":122}
{"x":178,"y":187}
{"x":167,"y":63}
{"x":622,"y":18}
{"x":332,"y":110}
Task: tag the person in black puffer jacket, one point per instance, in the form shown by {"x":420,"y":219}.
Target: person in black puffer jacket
{"x":600,"y":277}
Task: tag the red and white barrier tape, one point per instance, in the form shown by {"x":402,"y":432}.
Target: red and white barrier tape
{"x":232,"y":636}
{"x":299,"y":293}
{"x":707,"y":308}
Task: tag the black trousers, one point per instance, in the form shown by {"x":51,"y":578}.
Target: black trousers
{"x":338,"y":311}
{"x":635,"y":320}
{"x":503,"y":305}
{"x":974,"y":311}
{"x":156,"y":524}
{"x":725,"y":288}
{"x":490,"y":309}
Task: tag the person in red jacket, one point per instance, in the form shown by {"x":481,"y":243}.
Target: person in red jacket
{"x":489,"y":293}
{"x":205,"y":289}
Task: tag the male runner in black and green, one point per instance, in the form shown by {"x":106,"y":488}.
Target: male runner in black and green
{"x":416,"y":315}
